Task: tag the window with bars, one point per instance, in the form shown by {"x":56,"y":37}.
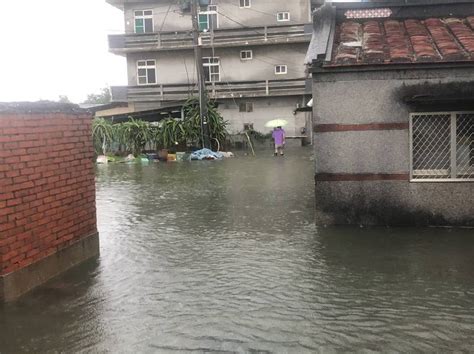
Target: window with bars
{"x":146,"y":72}
{"x":442,"y":146}
{"x":143,"y":21}
{"x":212,"y":70}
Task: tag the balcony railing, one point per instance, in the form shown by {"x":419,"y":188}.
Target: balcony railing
{"x":126,"y":43}
{"x":178,"y":92}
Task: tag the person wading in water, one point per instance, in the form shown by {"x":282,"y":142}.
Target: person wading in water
{"x":279,"y":139}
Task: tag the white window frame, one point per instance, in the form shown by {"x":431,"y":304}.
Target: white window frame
{"x":281,"y":72}
{"x":210,"y":64}
{"x":144,"y":18}
{"x":245,"y":4}
{"x":146,"y":66}
{"x":246,"y":54}
{"x":211,"y":10}
{"x":453,"y":116}
{"x":283,"y":16}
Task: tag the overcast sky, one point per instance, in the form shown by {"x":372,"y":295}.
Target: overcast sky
{"x":57,"y":47}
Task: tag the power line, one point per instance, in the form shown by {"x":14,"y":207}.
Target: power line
{"x":252,"y":29}
{"x":166,"y":15}
{"x":252,"y":9}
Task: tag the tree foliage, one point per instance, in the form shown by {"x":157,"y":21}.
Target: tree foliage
{"x":103,"y":97}
{"x":63,"y":99}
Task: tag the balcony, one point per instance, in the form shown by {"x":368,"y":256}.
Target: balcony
{"x":145,"y":42}
{"x":120,"y":3}
{"x":217,"y":90}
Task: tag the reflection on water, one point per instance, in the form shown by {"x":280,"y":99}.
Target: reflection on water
{"x":224,"y":256}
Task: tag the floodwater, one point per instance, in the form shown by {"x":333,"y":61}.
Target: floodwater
{"x":224,"y":257}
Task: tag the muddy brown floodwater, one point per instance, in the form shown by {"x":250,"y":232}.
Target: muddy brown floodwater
{"x":224,"y":256}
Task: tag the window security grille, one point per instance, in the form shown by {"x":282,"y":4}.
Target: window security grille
{"x":143,"y":21}
{"x":146,"y":72}
{"x":442,"y":146}
{"x":212,"y":70}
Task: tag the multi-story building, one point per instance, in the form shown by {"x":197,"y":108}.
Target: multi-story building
{"x":253,"y":58}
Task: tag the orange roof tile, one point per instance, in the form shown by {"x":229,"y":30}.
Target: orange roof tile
{"x":390,"y":41}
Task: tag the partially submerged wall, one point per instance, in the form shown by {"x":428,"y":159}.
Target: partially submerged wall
{"x":362,"y":152}
{"x":47,"y":194}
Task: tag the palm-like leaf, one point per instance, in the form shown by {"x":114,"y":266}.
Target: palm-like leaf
{"x":102,"y":134}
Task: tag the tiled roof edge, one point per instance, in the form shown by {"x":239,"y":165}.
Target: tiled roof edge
{"x":393,"y":66}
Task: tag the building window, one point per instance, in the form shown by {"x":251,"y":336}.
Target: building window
{"x":283,"y":16}
{"x":146,"y":72}
{"x":212,"y":71}
{"x":245,"y":3}
{"x":442,"y":146}
{"x":208,"y":19}
{"x":144,"y":21}
{"x":248,"y":126}
{"x":246,"y":55}
{"x":281,"y":69}
{"x":246,"y":107}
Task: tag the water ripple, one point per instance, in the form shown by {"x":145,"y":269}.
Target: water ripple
{"x":224,"y":257}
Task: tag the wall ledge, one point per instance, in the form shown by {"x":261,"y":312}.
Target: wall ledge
{"x":17,"y":283}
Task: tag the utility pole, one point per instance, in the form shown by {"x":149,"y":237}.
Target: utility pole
{"x":200,"y":75}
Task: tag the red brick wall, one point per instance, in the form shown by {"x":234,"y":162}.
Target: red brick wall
{"x":47,"y":188}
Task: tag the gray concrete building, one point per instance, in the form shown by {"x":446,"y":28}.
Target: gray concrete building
{"x":253,"y":54}
{"x":393,"y":88}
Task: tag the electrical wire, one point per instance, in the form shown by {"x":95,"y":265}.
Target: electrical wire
{"x":254,"y":10}
{"x":167,"y":13}
{"x":213,"y":49}
{"x":252,"y":29}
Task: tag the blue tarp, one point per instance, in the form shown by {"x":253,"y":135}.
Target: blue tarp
{"x":206,"y":154}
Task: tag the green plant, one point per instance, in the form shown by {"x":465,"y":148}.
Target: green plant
{"x":192,"y":122}
{"x":103,"y":135}
{"x":134,"y":134}
{"x":173,"y":132}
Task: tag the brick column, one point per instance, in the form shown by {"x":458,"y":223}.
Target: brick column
{"x":47,"y":194}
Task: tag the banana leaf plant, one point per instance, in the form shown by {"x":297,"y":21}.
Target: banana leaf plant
{"x":217,"y":124}
{"x":103,"y":135}
{"x":134,"y":134}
